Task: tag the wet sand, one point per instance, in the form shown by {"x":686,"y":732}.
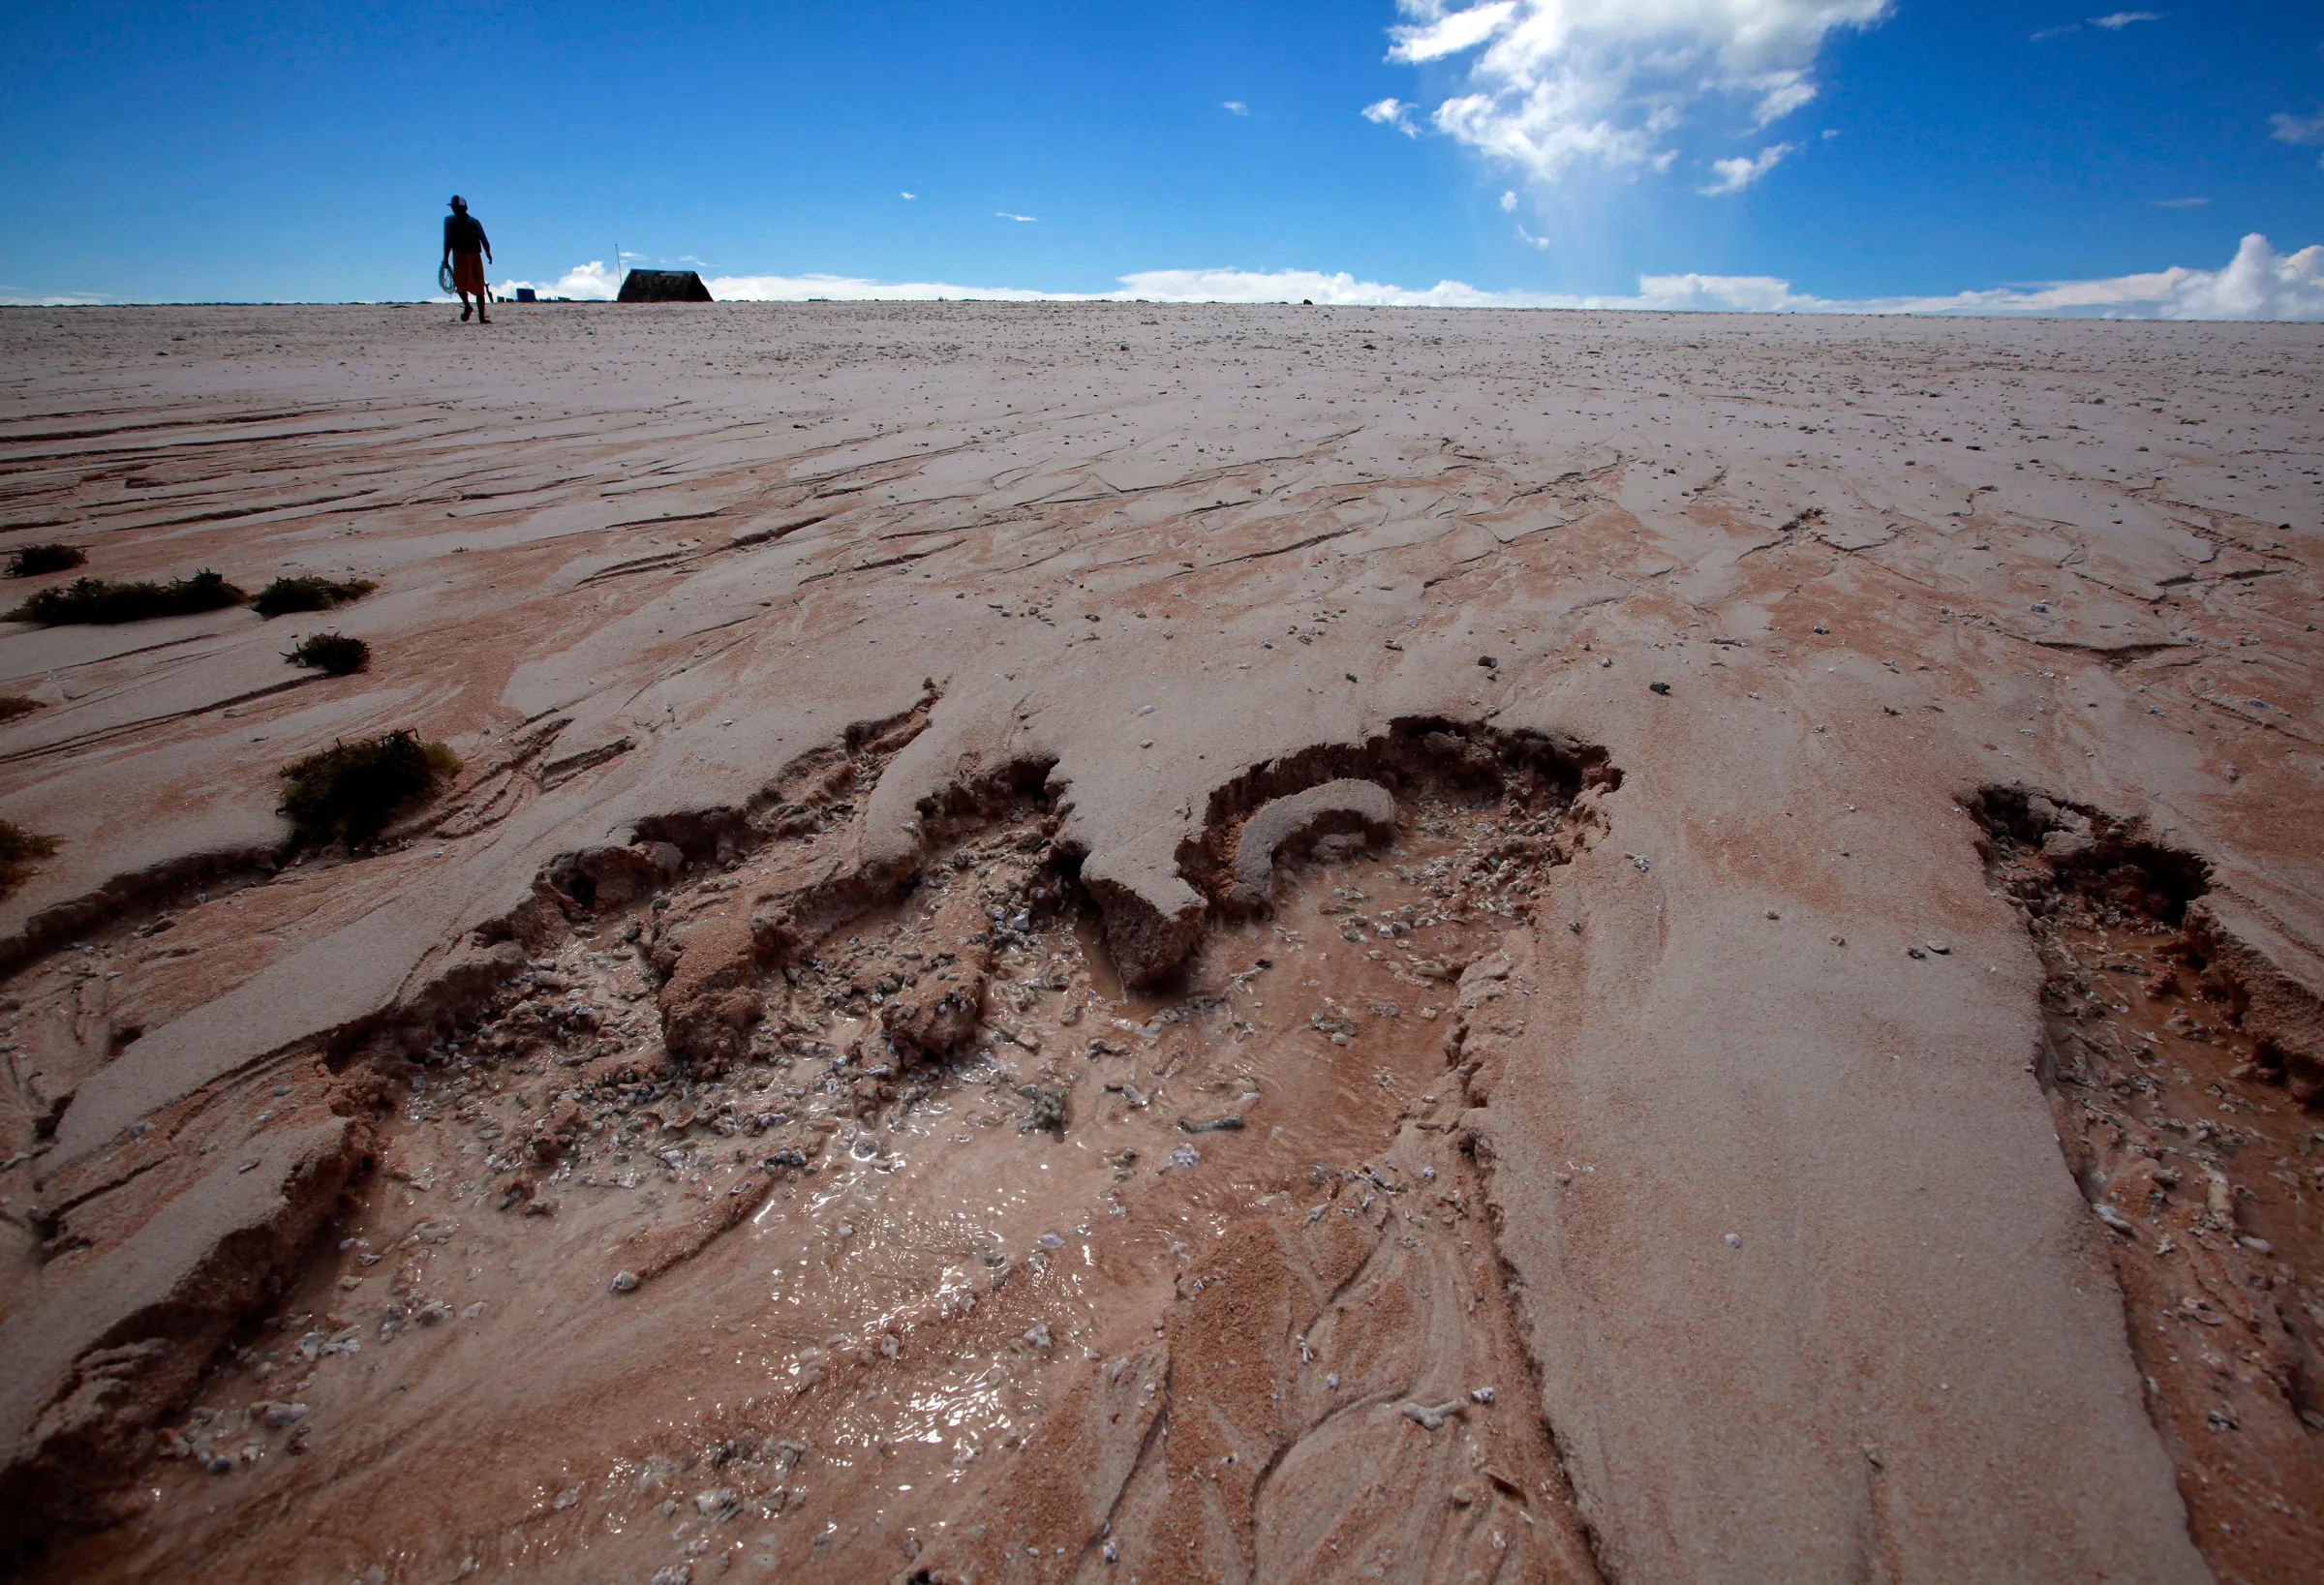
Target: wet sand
{"x":1818,"y":1079}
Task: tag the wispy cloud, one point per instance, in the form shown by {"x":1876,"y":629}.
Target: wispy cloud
{"x":2286,"y":128}
{"x":2258,"y":284}
{"x":2182,"y":203}
{"x":1554,"y":82}
{"x":1003,"y":214}
{"x":2112,"y":22}
{"x":907,"y":195}
{"x":1392,"y":112}
{"x":24,"y":297}
{"x":1234,"y":107}
{"x":1440,"y":33}
{"x":2298,"y":130}
{"x":1737,"y":174}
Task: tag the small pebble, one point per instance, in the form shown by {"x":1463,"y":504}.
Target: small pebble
{"x":1734,"y":1240}
{"x":624,"y":1281}
{"x":1431,"y":1416}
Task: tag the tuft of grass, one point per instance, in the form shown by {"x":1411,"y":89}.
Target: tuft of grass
{"x":18,"y":847}
{"x":331,"y":653}
{"x":31,"y":560}
{"x":350,"y":790}
{"x":13,"y":705}
{"x":284,"y":595}
{"x":101,"y":601}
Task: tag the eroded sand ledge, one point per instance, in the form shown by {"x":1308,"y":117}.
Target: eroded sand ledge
{"x":860,"y":656}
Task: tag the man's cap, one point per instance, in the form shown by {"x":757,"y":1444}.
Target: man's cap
{"x":459,"y":202}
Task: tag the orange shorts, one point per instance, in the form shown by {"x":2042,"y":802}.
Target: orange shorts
{"x":467,"y":274}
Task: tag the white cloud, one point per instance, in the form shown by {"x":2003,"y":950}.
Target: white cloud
{"x":907,"y":195}
{"x":2258,"y":284}
{"x":592,"y":282}
{"x":1003,"y":214}
{"x":851,"y":288}
{"x":18,"y":297}
{"x":1234,"y":107}
{"x":1557,"y":82}
{"x":2297,"y":128}
{"x":1392,"y":112}
{"x":2182,"y":203}
{"x":1444,"y":33}
{"x":1735,"y":175}
{"x":2113,"y":22}
{"x":1509,"y":203}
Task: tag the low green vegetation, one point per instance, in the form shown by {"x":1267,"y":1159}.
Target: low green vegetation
{"x":284,"y":595}
{"x":101,"y":601}
{"x":31,"y":560}
{"x":13,"y":705}
{"x":18,"y":847}
{"x":331,"y":653}
{"x":350,"y":790}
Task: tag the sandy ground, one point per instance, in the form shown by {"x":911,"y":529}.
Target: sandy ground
{"x":900,"y":1054}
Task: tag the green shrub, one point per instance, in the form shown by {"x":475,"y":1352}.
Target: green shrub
{"x":18,"y":847}
{"x":287,"y":594}
{"x":98,"y":600}
{"x":331,"y":653}
{"x":13,"y":705}
{"x":31,"y":560}
{"x":351,"y":789}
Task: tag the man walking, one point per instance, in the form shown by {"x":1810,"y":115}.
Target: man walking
{"x":466,"y":248}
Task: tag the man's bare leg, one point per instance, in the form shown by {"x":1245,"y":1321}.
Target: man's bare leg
{"x":482,"y":298}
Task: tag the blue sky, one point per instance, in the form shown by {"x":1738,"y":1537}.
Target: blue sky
{"x":1553,"y":150}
